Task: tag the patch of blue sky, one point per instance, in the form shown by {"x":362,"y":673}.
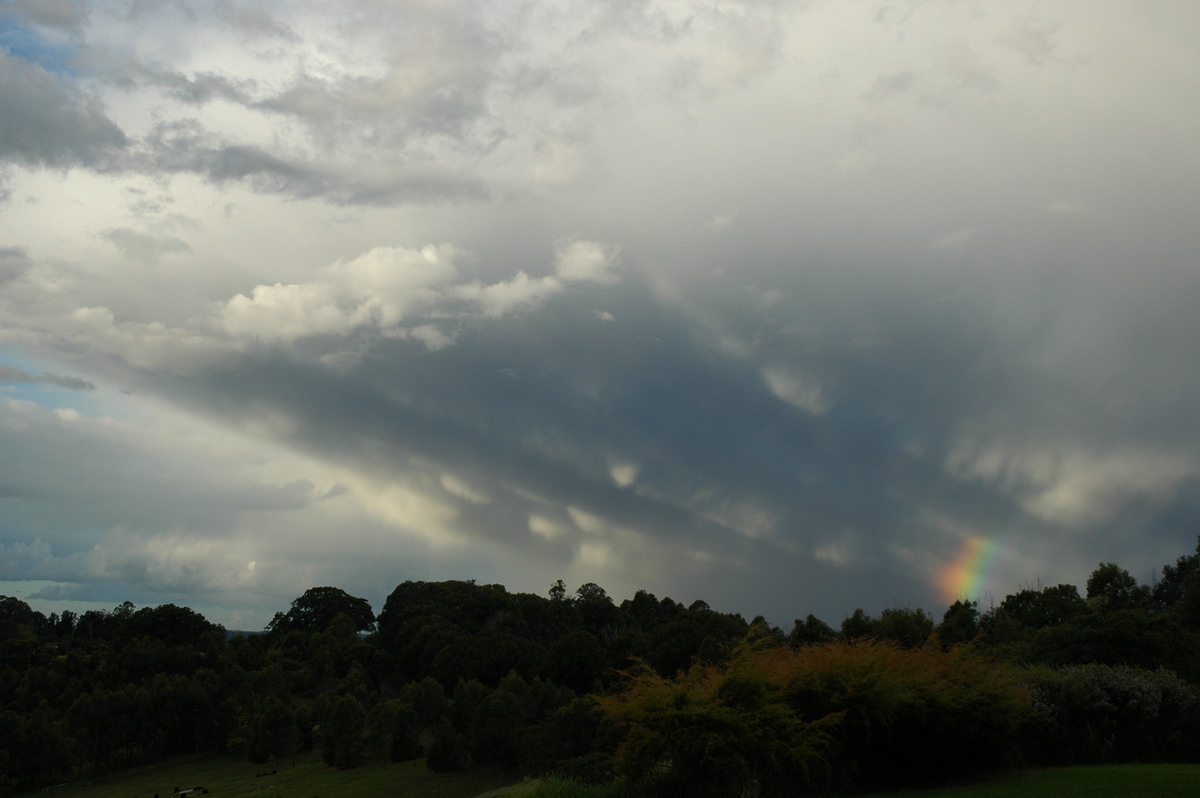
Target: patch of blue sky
{"x":31,"y":44}
{"x":49,"y":386}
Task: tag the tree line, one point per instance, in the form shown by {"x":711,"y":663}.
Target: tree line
{"x":671,"y":699}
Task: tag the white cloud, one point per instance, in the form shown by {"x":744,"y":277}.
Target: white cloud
{"x":521,"y":293}
{"x":798,"y":390}
{"x":379,"y":288}
{"x":463,"y":489}
{"x":578,"y":260}
{"x":624,"y":474}
{"x":1071,"y":484}
{"x":547,"y":527}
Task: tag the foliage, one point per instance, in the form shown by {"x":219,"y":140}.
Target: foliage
{"x":1049,"y":606}
{"x":1100,"y":713}
{"x":716,"y":732}
{"x":960,"y":624}
{"x":466,"y":675}
{"x":276,"y":735}
{"x":911,"y":715}
{"x":342,"y":734}
{"x":319,"y":608}
{"x":777,"y":720}
{"x":1111,"y":588}
{"x":809,"y":631}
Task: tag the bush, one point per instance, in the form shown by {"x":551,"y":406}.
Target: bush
{"x":776,"y":721}
{"x":911,"y":716}
{"x":1088,"y":714}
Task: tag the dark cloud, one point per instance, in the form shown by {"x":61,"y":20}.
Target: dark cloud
{"x":866,"y":292}
{"x":852,"y":474}
{"x":200,"y":88}
{"x":15,"y":375}
{"x":188,"y":147}
{"x":64,"y":14}
{"x":14,"y":261}
{"x":48,"y":122}
{"x":73,"y":383}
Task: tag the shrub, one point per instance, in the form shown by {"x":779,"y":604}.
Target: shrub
{"x":1098,"y":713}
{"x":777,"y":721}
{"x":911,"y":716}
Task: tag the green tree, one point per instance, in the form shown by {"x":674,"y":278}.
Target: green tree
{"x":1111,"y":588}
{"x":276,"y":735}
{"x":428,"y":700}
{"x":810,"y":631}
{"x":1049,"y":606}
{"x":960,"y":623}
{"x":859,"y":625}
{"x":909,"y":628}
{"x":497,"y":728}
{"x":447,"y":749}
{"x":317,"y":609}
{"x":171,"y":624}
{"x":392,"y":731}
{"x":576,"y":661}
{"x":342,"y":741}
{"x":1176,"y":579}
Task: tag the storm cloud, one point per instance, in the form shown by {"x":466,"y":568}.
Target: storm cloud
{"x":778,"y":307}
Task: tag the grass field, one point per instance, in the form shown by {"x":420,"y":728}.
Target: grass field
{"x":1115,"y":781}
{"x":229,"y":777}
{"x":1099,"y":781}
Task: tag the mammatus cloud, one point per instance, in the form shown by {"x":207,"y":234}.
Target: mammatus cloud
{"x":781,"y":306}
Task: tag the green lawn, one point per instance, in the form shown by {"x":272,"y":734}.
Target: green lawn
{"x":1115,"y":781}
{"x":229,"y":777}
{"x":1099,"y":781}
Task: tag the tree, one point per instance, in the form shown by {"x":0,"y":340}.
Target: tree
{"x":810,"y":631}
{"x":170,"y":623}
{"x":576,"y":661}
{"x":1049,"y":606}
{"x":317,"y":609}
{"x":960,"y":624}
{"x":497,"y":728}
{"x":393,"y":731}
{"x":858,"y":625}
{"x":909,"y":628}
{"x":276,"y":735}
{"x":17,"y":619}
{"x":1171,"y":590}
{"x":342,"y":743}
{"x":1111,"y":588}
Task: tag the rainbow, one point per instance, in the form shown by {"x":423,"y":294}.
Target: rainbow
{"x":965,"y":576}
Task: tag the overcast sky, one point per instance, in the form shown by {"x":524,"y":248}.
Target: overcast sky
{"x":791,"y":307}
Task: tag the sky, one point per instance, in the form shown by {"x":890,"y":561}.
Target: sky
{"x":792,"y":307}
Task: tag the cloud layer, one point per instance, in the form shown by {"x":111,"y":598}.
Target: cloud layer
{"x":780,"y":307}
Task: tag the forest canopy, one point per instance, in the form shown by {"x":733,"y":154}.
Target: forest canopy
{"x":671,"y":699}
